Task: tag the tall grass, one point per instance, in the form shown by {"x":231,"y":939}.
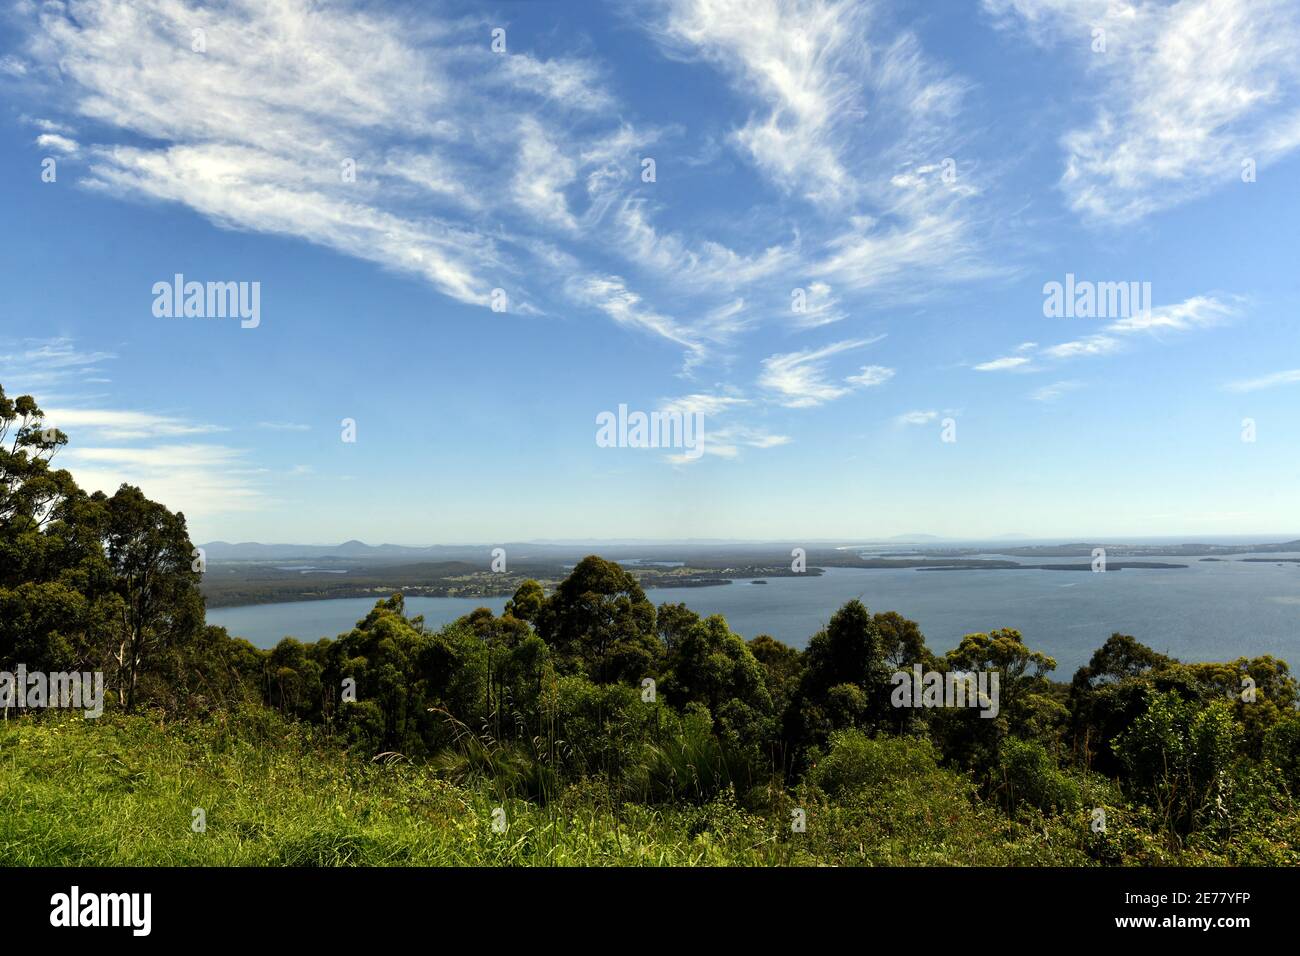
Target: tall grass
{"x":122,"y":791}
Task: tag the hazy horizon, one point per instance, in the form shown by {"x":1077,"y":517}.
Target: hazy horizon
{"x":844,"y":541}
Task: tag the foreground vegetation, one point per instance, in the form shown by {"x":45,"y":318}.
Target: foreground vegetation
{"x":586,"y":726}
{"x":123,"y":792}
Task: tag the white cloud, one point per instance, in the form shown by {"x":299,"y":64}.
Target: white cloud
{"x":871,"y":376}
{"x":705,"y":265}
{"x":1050,"y":393}
{"x":56,"y":353}
{"x":611,"y":295}
{"x":1288,"y":377}
{"x":820,"y":307}
{"x":260,"y":131}
{"x":254,"y":132}
{"x":1188,"y":91}
{"x":251,"y":189}
{"x":917,"y":417}
{"x":802,"y":61}
{"x":58,"y":143}
{"x":1197,"y":312}
{"x":40,"y":363}
{"x":197,"y":479}
{"x":466,"y":162}
{"x":543,"y":173}
{"x":722,"y":439}
{"x":702,"y":402}
{"x":870,"y":252}
{"x":572,"y":84}
{"x":1003,"y":364}
{"x":852,"y":117}
{"x":800,"y":378}
{"x":727,"y":442}
{"x":119,"y":425}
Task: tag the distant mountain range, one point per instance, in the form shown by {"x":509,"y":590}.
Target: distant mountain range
{"x":256,"y":551}
{"x":629,"y":548}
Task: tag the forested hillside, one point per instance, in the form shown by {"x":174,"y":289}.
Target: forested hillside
{"x":587,"y":725}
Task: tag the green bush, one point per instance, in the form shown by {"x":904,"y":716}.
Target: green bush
{"x":1031,"y":776}
{"x":856,"y":761}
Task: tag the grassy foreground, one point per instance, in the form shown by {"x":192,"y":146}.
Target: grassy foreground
{"x":122,"y":791}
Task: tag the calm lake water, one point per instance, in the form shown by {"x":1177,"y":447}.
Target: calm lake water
{"x":1211,"y":610}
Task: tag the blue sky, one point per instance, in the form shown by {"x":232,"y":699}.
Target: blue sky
{"x":920,"y":172}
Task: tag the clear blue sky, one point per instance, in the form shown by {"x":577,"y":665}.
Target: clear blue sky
{"x":921,"y":171}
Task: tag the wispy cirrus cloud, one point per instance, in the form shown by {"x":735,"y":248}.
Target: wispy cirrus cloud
{"x":611,"y":295}
{"x":800,"y":379}
{"x":723,"y":437}
{"x":1186,"y":92}
{"x":1196,"y":312}
{"x":819,"y":307}
{"x":1004,"y":364}
{"x":917,"y":417}
{"x":1272,"y":380}
{"x":41,"y":363}
{"x":120,"y":425}
{"x":109,"y":446}
{"x":852,"y":117}
{"x":200,"y":480}
{"x":1050,"y":393}
{"x":704,"y":403}
{"x":254,"y":130}
{"x":364,"y":130}
{"x":728,"y":441}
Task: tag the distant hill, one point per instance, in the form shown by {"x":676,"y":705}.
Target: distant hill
{"x":256,"y":551}
{"x":700,"y":552}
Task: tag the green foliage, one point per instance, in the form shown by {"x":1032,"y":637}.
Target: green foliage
{"x":1030,"y":775}
{"x":856,"y":761}
{"x":1177,"y":754}
{"x":599,"y":622}
{"x":527,"y":602}
{"x":845,"y":679}
{"x":712,"y":666}
{"x":687,"y":762}
{"x":1282,"y":752}
{"x":394,"y":742}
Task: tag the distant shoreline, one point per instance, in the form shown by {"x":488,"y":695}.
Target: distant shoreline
{"x":692,"y":578}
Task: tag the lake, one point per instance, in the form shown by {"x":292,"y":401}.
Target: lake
{"x":1209,"y":611}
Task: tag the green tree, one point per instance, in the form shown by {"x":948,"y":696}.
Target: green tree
{"x":712,"y":665}
{"x":1177,"y":754}
{"x":151,"y":559}
{"x":1026,"y":705}
{"x":845,"y":678}
{"x":782,"y":669}
{"x":56,"y":605}
{"x":527,"y":601}
{"x":902,"y":642}
{"x":600,"y":622}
